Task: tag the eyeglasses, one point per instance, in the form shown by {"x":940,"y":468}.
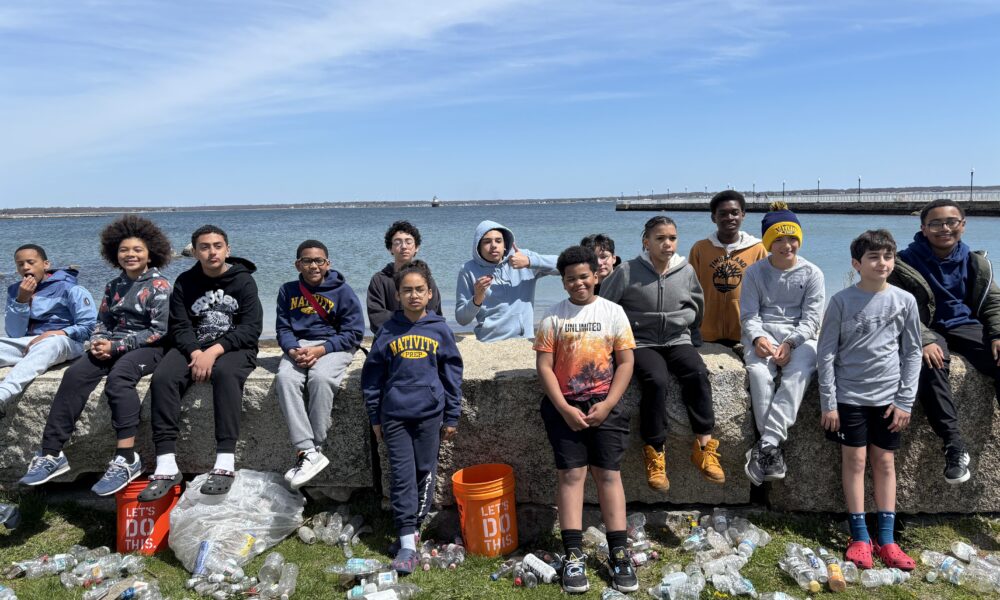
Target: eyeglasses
{"x":951,"y":224}
{"x":319,"y":262}
{"x":406,"y":243}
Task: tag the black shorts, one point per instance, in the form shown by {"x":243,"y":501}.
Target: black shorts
{"x":863,"y":425}
{"x":601,"y":446}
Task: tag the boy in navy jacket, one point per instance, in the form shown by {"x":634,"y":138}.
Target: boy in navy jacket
{"x":412,"y":386}
{"x":319,"y":329}
{"x":48,"y":319}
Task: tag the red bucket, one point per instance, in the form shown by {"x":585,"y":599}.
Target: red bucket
{"x":143,"y":526}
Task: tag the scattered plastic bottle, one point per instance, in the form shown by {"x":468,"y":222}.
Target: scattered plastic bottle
{"x":667,"y":586}
{"x":734,"y":584}
{"x":593,"y":536}
{"x":286,"y":584}
{"x":836,"y":581}
{"x":733,"y":562}
{"x":749,"y":541}
{"x":717,"y":541}
{"x":882,"y":577}
{"x":307,"y":535}
{"x":52,"y":565}
{"x":720,"y":520}
{"x":612,"y":594}
{"x":697,"y":540}
{"x":270,"y":571}
{"x":505,"y":568}
{"x":402,"y":591}
{"x":540,"y":568}
{"x":6,"y":593}
{"x":964,"y":551}
{"x":801,"y":572}
{"x":777,"y":596}
{"x":356,"y":567}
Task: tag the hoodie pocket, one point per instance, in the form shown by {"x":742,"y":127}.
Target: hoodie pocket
{"x":411,"y":401}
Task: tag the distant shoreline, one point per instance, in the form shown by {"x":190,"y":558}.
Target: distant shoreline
{"x":104,"y":211}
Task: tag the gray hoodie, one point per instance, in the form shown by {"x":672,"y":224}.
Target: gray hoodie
{"x":786,"y":299}
{"x":662,"y":309}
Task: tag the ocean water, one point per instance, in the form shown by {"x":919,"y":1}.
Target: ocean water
{"x":355,"y":238}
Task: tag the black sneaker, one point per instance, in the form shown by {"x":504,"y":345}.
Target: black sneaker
{"x":623,"y":576}
{"x":773,"y":462}
{"x":956,"y":465}
{"x":753,"y":467}
{"x":574,"y":574}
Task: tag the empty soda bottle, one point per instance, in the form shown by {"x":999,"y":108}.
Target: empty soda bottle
{"x":880,"y":577}
{"x":836,"y":581}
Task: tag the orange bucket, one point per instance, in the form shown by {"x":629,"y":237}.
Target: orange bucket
{"x":143,"y":526}
{"x":486,"y":508}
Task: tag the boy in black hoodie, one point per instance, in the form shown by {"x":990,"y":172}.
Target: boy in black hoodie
{"x":319,"y":329}
{"x":215,"y":322}
{"x":402,"y":240}
{"x":412,"y":385}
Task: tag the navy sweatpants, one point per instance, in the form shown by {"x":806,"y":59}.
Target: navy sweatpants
{"x":413,"y":455}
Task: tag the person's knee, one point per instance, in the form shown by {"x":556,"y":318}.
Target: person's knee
{"x":224,"y":377}
{"x":573,"y":477}
{"x":854,"y":460}
{"x":605,"y":477}
{"x":883,"y":462}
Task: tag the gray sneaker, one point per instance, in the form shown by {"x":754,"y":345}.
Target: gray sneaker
{"x":119,"y":474}
{"x":753,"y":467}
{"x":773,"y":462}
{"x":956,"y":465}
{"x":44,"y":468}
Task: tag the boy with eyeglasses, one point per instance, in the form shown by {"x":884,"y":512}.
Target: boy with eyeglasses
{"x":319,"y":328}
{"x":959,"y":312}
{"x":402,"y":240}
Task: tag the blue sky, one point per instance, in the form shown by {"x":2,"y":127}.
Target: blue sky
{"x":256,"y":101}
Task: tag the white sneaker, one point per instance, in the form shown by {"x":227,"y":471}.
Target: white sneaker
{"x":307,"y":466}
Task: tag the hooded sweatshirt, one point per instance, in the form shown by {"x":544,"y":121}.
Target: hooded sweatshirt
{"x":382,"y":301}
{"x":413,"y":371}
{"x":948,"y":279}
{"x":223,"y":310}
{"x":507,"y":310}
{"x":720,"y":268}
{"x":297,"y":320}
{"x":784,"y":306}
{"x":133,"y":313}
{"x":662,"y":309}
{"x":58,"y":303}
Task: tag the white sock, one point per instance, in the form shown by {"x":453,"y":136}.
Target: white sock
{"x":225,"y":461}
{"x":166,"y":464}
{"x":408,"y":541}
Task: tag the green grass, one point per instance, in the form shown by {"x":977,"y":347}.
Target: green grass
{"x":49,"y":527}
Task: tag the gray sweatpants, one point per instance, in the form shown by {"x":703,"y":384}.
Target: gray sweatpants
{"x":776,"y":407}
{"x":308,"y":421}
{"x":46,"y":353}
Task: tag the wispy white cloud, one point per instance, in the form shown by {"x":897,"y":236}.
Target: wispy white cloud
{"x":94,"y":77}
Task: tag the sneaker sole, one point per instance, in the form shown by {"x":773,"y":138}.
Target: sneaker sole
{"x":576,"y":590}
{"x":625,"y":589}
{"x":959,"y":480}
{"x":746,"y":469}
{"x":131,"y":478}
{"x":52,"y":475}
{"x":777,"y":477}
{"x":312,"y":472}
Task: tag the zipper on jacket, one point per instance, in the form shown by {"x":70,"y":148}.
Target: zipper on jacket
{"x":986,"y":292}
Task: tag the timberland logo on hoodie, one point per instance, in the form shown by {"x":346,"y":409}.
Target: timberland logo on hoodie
{"x":727,"y":272}
{"x":215,"y":312}
{"x":412,"y":346}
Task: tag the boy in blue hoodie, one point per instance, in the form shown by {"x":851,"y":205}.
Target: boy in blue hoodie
{"x":48,"y":319}
{"x":412,"y":386}
{"x":319,"y":329}
{"x":497,"y":287}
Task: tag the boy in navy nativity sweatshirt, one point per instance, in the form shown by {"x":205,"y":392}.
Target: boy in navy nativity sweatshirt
{"x":412,"y":386}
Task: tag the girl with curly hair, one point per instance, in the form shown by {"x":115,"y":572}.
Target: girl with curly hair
{"x":125,"y":346}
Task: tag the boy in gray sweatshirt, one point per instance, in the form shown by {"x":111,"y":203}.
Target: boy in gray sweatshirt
{"x":869,"y":365}
{"x":780,"y":306}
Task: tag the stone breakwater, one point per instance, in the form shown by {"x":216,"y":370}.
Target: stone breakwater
{"x":500,"y":423}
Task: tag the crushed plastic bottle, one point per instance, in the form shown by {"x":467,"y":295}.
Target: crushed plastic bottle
{"x":668,"y":585}
{"x":307,"y":535}
{"x":733,"y":562}
{"x":593,"y":537}
{"x":6,"y":593}
{"x":882,"y":577}
{"x":697,"y":540}
{"x":612,"y":594}
{"x":734,"y":584}
{"x":777,"y":596}
{"x":964,"y":551}
{"x":801,"y":572}
{"x":357,"y":567}
{"x":748,"y":542}
{"x":402,"y":591}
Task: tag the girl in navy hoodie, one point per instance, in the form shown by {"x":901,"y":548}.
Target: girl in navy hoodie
{"x":412,"y":385}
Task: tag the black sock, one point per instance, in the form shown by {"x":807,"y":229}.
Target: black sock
{"x":572,"y":541}
{"x":617,"y":539}
{"x":126,"y":453}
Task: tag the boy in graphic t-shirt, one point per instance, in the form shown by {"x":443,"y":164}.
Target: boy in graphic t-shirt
{"x":584,"y":361}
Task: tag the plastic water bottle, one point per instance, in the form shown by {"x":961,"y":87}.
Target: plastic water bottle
{"x":635,"y":526}
{"x":720,"y":520}
{"x":593,"y":537}
{"x":355,"y":567}
{"x":669,"y":583}
{"x":748,"y":543}
{"x":307,"y":535}
{"x":402,"y":591}
{"x":360,"y":590}
{"x":801,"y":572}
{"x":696,"y":541}
{"x":881,"y":577}
{"x":612,"y":594}
{"x":836,"y":581}
{"x":979,"y":580}
{"x":777,"y":596}
{"x":6,"y":593}
{"x":505,"y":568}
{"x":964,"y":551}
{"x":286,"y":584}
{"x":734,"y":584}
{"x":352,"y":526}
{"x":733,"y":562}
{"x":822,"y":575}
{"x":51,"y":566}
{"x":851,"y":572}
{"x":270,"y":571}
{"x":716,"y":540}
{"x":540,"y":568}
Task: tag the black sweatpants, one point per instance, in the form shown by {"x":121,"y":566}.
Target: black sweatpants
{"x":173,"y":377}
{"x":413,"y":456}
{"x":653,"y":367}
{"x":934,"y":390}
{"x":81,"y":378}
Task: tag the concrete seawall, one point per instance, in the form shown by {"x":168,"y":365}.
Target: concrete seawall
{"x":500,"y":423}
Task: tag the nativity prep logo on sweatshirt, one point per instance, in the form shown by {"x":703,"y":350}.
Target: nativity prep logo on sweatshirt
{"x":214,"y":311}
{"x":413,"y":346}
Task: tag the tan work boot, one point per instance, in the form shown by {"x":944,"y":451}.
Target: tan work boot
{"x":656,"y":469}
{"x":707,"y":461}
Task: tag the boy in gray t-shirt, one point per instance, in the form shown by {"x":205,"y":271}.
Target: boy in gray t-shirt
{"x":869,"y":357}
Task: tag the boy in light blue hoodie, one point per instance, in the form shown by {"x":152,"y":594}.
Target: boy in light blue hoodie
{"x":48,"y":319}
{"x":497,"y":287}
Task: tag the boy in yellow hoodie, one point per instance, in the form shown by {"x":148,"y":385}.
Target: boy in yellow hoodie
{"x":719,"y":261}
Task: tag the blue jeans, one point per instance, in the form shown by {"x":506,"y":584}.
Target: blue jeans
{"x":51,"y":351}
